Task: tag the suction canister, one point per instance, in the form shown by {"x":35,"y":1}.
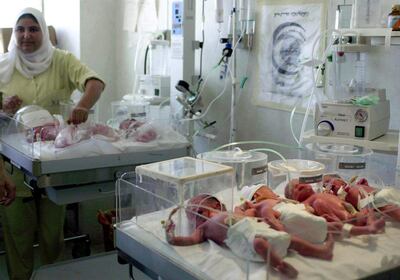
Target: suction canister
{"x":250,"y":166}
{"x":343,"y":159}
{"x":305,"y":171}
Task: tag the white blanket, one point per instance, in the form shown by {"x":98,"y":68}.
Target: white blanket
{"x":46,"y":150}
{"x":354,"y":258}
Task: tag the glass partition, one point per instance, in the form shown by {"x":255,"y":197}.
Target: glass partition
{"x":19,"y":136}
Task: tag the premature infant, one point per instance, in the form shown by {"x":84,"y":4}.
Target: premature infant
{"x":360,"y":194}
{"x":244,"y":236}
{"x":292,"y":217}
{"x":333,"y":209}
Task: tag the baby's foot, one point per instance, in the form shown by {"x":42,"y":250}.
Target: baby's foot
{"x":377,"y":226}
{"x":287,"y":269}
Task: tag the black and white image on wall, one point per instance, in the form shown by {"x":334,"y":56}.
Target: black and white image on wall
{"x":287,"y":42}
{"x":288,"y":34}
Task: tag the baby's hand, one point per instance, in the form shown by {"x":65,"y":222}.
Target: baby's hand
{"x":250,"y":212}
{"x":169,"y":230}
{"x":248,"y":204}
{"x":169,"y":226}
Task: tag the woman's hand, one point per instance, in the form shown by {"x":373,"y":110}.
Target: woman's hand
{"x":7,"y":189}
{"x":93,"y":89}
{"x":11,"y":104}
{"x":78,"y":115}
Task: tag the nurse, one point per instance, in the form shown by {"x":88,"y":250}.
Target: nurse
{"x":39,"y":74}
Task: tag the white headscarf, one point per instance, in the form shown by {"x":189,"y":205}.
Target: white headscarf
{"x":28,"y":64}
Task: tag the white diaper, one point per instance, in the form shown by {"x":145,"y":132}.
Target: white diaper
{"x":387,"y":196}
{"x":240,"y":238}
{"x":298,"y":221}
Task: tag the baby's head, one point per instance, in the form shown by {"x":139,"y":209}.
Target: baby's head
{"x":363,"y":182}
{"x":203,"y":206}
{"x":258,"y":193}
{"x":298,"y":191}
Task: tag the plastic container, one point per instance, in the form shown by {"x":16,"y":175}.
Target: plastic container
{"x":306,"y":171}
{"x":171,"y":196}
{"x":33,"y":116}
{"x":159,"y":57}
{"x":154,"y":88}
{"x":171,"y":184}
{"x":124,"y":110}
{"x":136,"y":110}
{"x":345,"y":160}
{"x":360,"y":76}
{"x":250,"y":167}
{"x":366,"y":14}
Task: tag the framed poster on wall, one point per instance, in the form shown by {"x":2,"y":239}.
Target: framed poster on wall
{"x":288,"y":37}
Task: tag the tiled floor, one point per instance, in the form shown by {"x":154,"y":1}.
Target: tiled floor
{"x":99,"y":265}
{"x":102,"y":266}
{"x":95,"y":249}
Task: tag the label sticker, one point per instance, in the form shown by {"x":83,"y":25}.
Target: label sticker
{"x":259,"y":170}
{"x":310,"y":180}
{"x":352,"y":165}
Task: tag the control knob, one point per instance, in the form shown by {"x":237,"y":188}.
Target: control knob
{"x":325,"y":128}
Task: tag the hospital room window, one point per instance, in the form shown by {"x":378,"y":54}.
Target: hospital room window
{"x":10,"y":9}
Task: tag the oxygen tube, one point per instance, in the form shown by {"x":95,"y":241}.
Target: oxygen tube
{"x":311,"y":97}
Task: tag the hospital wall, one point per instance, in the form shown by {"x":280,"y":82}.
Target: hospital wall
{"x":98,"y":45}
{"x":64,"y":16}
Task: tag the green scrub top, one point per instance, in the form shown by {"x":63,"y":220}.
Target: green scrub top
{"x":65,"y":74}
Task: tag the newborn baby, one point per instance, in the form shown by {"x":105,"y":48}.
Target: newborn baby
{"x":246,"y":237}
{"x":360,"y":194}
{"x":333,"y":209}
{"x":140,"y":131}
{"x":294,"y":217}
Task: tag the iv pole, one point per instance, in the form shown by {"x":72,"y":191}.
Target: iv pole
{"x":232,"y":133}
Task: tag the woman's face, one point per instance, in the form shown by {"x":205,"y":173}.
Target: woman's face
{"x":29,"y":35}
